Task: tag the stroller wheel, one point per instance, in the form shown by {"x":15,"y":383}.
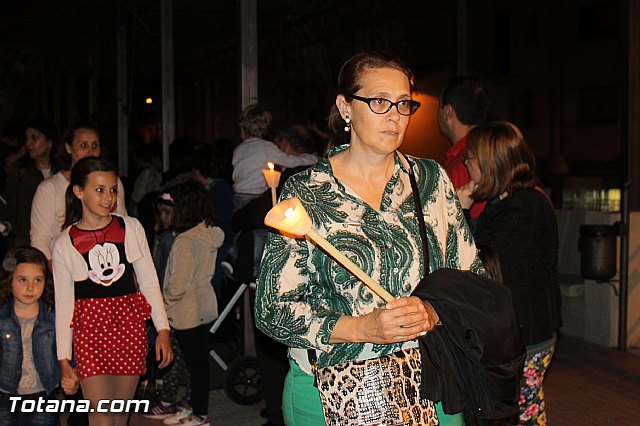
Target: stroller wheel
{"x":243,"y":382}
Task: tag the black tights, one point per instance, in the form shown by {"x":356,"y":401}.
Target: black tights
{"x":194,"y":344}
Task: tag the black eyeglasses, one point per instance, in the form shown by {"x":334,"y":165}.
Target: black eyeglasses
{"x":383,"y":106}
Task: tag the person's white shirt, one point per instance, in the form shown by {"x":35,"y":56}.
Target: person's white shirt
{"x":252,"y":155}
{"x":48,"y":211}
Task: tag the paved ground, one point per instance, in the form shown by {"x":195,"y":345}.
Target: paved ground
{"x":586,"y":385}
{"x":222,"y":411}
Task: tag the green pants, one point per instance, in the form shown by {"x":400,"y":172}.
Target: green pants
{"x":301,"y":404}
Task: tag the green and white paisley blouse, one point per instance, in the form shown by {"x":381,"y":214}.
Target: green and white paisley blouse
{"x":302,"y":291}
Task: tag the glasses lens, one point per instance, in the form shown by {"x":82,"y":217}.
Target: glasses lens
{"x":408,"y":107}
{"x":379,"y":105}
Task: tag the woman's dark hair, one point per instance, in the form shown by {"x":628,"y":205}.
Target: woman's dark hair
{"x":19,"y":255}
{"x":505,"y":160}
{"x":491,"y":261}
{"x":350,"y":81}
{"x":45,"y":126}
{"x":192,"y":204}
{"x":64,"y":158}
{"x":79,"y":173}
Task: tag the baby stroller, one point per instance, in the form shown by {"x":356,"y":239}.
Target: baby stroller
{"x":242,"y":379}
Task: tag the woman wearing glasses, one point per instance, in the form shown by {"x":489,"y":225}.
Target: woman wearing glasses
{"x":359,"y":198}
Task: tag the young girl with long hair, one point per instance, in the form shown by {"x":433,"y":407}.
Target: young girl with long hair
{"x":106,"y":288}
{"x":28,"y":362}
{"x":189,"y":297}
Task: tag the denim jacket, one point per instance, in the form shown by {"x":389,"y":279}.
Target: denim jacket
{"x":43,"y":346}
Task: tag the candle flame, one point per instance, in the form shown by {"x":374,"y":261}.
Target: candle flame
{"x":290,"y":217}
{"x":270,"y":165}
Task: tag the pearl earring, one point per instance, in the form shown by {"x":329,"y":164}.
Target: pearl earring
{"x":348,"y":126}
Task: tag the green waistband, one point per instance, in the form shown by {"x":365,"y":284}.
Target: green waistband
{"x":542,"y":346}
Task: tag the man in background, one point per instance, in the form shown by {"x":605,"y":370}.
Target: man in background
{"x":463,"y":105}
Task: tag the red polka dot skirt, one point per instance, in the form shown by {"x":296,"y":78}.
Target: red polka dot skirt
{"x":109,"y":335}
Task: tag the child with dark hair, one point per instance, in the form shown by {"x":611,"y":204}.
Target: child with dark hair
{"x":106,"y":288}
{"x":163,"y":206}
{"x":176,"y":374}
{"x":28,"y":361}
{"x":212,"y":168}
{"x":188,"y":295}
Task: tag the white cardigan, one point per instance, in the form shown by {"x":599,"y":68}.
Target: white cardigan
{"x":69,"y":266}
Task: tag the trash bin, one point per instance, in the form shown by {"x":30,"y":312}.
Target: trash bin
{"x":597,"y":248}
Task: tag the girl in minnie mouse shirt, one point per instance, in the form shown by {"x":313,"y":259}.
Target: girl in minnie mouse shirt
{"x":105,"y":289}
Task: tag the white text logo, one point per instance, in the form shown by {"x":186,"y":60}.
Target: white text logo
{"x":42,"y":405}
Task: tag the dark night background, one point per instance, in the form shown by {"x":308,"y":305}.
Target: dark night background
{"x":555,"y":68}
{"x":567,"y":72}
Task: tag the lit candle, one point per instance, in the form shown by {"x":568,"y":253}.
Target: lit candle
{"x":290,"y":217}
{"x":272,"y":177}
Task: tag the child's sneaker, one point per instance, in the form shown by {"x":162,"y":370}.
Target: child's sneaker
{"x":178,"y":417}
{"x":194,"y":420}
{"x":161,"y":410}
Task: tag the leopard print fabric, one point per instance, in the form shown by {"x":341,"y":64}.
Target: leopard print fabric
{"x":380,"y":391}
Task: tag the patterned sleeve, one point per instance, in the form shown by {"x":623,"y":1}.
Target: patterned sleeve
{"x":461,"y":252}
{"x":286,"y":309}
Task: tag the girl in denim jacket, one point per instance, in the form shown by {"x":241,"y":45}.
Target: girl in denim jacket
{"x":28,"y":363}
